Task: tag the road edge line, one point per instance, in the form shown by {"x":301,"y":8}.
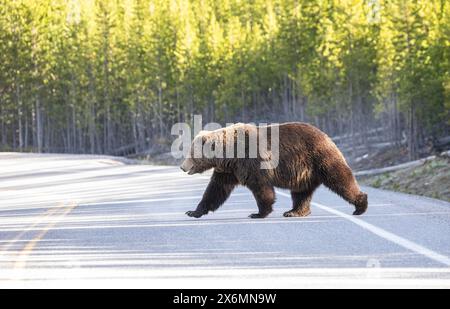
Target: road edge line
{"x":398,"y":240}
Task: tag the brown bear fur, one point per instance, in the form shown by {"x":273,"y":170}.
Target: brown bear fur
{"x":307,"y":159}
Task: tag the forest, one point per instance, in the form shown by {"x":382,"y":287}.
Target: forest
{"x":95,"y":76}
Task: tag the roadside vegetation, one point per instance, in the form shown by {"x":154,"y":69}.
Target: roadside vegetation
{"x":432,"y":179}
{"x":112,"y":76}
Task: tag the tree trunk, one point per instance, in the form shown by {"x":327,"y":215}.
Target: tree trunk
{"x":19,"y":117}
{"x":412,"y":143}
{"x":160,"y":110}
{"x":285,"y":96}
{"x":39,"y":131}
{"x":3,"y":126}
{"x":26,"y":130}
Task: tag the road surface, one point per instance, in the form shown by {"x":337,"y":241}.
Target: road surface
{"x":87,"y":221}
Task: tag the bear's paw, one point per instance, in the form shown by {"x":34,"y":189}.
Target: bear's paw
{"x":194,"y":213}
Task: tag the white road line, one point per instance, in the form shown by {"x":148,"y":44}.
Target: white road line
{"x":403,"y":242}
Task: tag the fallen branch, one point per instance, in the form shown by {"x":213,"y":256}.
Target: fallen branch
{"x":394,"y":168}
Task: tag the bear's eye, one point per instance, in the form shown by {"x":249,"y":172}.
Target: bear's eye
{"x":213,"y":146}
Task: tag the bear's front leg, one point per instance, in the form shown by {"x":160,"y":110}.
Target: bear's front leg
{"x":219,"y":189}
{"x":265,"y":197}
{"x":301,"y":203}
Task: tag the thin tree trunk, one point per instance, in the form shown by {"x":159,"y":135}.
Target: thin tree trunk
{"x":285,"y":97}
{"x":412,"y":145}
{"x":294,"y":99}
{"x":92,"y":129}
{"x":75,"y":147}
{"x":160,"y":110}
{"x":19,"y":117}
{"x":39,"y":131}
{"x":133,"y":117}
{"x":3,"y":126}
{"x":27,"y":125}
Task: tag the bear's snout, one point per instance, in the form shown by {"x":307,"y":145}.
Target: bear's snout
{"x":186,"y":166}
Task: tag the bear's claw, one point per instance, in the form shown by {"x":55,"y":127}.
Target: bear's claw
{"x":292,"y":213}
{"x":194,"y":213}
{"x":359,"y":211}
{"x":257,"y":216}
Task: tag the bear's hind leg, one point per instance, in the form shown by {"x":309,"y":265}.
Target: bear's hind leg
{"x":341,"y":181}
{"x":360,"y":203}
{"x":265,"y":197}
{"x":353,"y":195}
{"x":300,"y":204}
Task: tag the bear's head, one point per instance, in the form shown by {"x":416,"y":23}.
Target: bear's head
{"x":196,"y":161}
{"x":209,"y":149}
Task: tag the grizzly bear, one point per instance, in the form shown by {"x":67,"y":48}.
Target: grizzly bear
{"x":307,"y":158}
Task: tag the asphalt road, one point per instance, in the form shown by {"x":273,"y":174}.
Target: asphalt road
{"x":86,"y":221}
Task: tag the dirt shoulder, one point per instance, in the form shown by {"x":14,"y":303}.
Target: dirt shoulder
{"x":431,"y":179}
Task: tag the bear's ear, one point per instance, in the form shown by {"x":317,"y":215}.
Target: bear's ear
{"x":206,"y":139}
{"x":203,"y":133}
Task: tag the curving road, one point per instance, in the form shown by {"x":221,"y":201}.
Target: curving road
{"x":90,"y":221}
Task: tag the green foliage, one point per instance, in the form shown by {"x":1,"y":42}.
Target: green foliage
{"x":93,"y":76}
